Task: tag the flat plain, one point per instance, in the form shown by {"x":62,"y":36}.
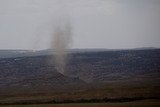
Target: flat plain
{"x":94,"y":79}
{"x":144,"y":103}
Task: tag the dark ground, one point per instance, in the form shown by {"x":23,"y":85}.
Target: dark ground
{"x":98,"y":76}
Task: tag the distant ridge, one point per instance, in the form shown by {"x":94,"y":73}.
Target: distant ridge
{"x":23,"y":53}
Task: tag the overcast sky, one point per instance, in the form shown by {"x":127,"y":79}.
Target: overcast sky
{"x":28,"y":24}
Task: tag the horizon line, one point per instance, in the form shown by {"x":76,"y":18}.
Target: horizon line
{"x":85,"y":49}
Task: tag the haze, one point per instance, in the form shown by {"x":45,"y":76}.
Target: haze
{"x":111,"y":24}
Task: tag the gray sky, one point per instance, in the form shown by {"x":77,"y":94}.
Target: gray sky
{"x":28,"y":24}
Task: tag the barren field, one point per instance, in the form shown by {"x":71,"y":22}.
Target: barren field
{"x":144,"y":103}
{"x":103,"y":78}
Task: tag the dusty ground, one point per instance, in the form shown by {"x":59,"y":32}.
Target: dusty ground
{"x":144,"y":103}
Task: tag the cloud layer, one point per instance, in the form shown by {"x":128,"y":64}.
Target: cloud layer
{"x":96,"y":23}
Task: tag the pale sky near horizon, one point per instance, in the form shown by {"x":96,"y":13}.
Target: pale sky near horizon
{"x":112,"y":24}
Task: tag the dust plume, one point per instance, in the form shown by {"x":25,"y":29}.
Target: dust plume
{"x":61,"y":42}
